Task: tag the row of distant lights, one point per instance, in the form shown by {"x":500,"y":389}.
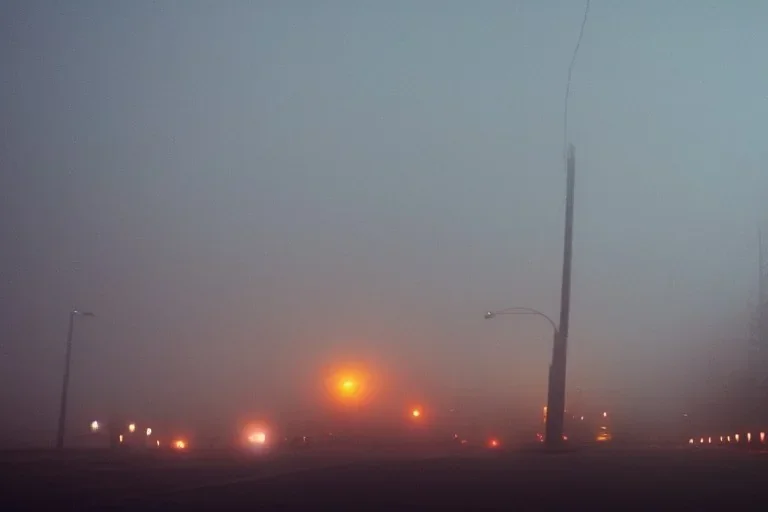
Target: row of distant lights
{"x":179,"y":444}
{"x":727,"y":439}
{"x":259,"y":437}
{"x":492,"y":442}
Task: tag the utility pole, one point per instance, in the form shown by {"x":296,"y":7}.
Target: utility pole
{"x":761,"y":334}
{"x":759,"y":360}
{"x":65,"y":384}
{"x":557,"y":373}
{"x":758,"y":334}
{"x":762,"y":301}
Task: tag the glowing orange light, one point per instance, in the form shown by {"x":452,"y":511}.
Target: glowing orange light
{"x":348,"y":387}
{"x":257,"y":437}
{"x":416,"y":413}
{"x":255,"y":434}
{"x":493,"y":443}
{"x":180,"y":444}
{"x":353,"y":384}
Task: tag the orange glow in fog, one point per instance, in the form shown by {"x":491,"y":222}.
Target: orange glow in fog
{"x":255,"y":434}
{"x":180,"y":444}
{"x":494,"y":443}
{"x":349,"y":384}
{"x":257,"y":438}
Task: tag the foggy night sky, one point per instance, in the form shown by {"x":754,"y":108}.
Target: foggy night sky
{"x":247,"y":192}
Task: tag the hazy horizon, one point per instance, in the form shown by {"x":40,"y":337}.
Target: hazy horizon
{"x":248,"y":193}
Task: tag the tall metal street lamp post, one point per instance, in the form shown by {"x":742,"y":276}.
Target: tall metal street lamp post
{"x":65,"y":384}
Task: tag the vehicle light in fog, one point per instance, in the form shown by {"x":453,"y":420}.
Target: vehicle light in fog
{"x":709,"y":440}
{"x":690,"y":441}
{"x":749,"y":437}
{"x":493,"y":443}
{"x":120,"y":438}
{"x":728,"y":439}
{"x":701,"y":441}
{"x":721,"y":439}
{"x":132,"y":428}
{"x":157,"y":443}
{"x":95,"y":426}
{"x":736,"y":437}
{"x":257,"y":438}
{"x":762,"y":437}
{"x":149,"y":431}
{"x":180,"y":444}
{"x":416,"y":413}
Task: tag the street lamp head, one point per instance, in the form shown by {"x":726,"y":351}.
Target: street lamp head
{"x":489,"y":315}
{"x":82,"y":313}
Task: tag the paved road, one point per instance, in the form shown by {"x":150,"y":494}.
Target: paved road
{"x":592,"y":480}
{"x":95,"y":479}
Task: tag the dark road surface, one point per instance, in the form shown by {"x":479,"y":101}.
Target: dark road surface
{"x":318,"y":480}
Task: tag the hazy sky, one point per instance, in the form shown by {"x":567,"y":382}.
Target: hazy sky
{"x":247,"y":192}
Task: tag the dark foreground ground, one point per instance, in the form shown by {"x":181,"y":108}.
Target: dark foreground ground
{"x":588,"y":479}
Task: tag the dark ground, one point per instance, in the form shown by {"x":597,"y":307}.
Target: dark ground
{"x":588,"y":479}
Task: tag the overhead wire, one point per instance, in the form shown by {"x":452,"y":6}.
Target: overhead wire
{"x":568,"y":83}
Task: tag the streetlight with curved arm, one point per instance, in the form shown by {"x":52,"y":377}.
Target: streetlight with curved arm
{"x":523,"y":311}
{"x":65,"y":385}
{"x":530,"y":311}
